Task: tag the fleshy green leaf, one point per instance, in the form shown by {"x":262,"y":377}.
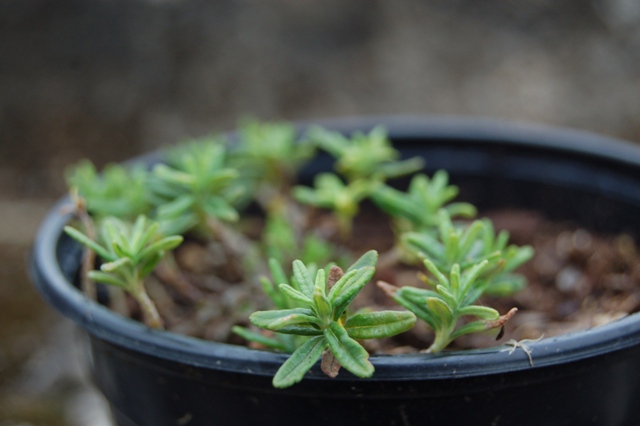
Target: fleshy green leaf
{"x":275,"y":320}
{"x":112,"y":266}
{"x":347,"y":351}
{"x":301,"y":361}
{"x":322,"y":305}
{"x":302,"y":276}
{"x":83,"y":239}
{"x":472,"y":327}
{"x":376,"y":325}
{"x":106,"y":278}
{"x":348,"y":287}
{"x":167,"y":243}
{"x":440,"y":309}
{"x":483,"y":312}
{"x":261,"y":339}
{"x":295,"y":294}
{"x":370,"y":258}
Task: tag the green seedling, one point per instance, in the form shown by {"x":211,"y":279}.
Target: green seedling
{"x":365,"y":156}
{"x":130,"y":253}
{"x":449,"y":299}
{"x":271,"y":152}
{"x":332,"y":332}
{"x":118,"y":191}
{"x":196,"y":189}
{"x":332,"y":193}
{"x":285,"y":242}
{"x":466,"y":246}
{"x":203,"y":184}
{"x":281,"y":300}
{"x":416,"y":210}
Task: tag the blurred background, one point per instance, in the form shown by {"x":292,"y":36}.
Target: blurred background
{"x":109,"y":79}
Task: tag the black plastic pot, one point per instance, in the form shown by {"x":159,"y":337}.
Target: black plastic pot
{"x":156,"y":378}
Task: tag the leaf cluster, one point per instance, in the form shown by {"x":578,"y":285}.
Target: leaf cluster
{"x":417,"y":209}
{"x":464,"y":263}
{"x":203,"y":184}
{"x":324,"y":318}
{"x":364,"y":161}
{"x":271,"y":152}
{"x":118,"y":191}
{"x":450,"y":298}
{"x":194,"y":187}
{"x":130,"y":252}
{"x":469,"y":245}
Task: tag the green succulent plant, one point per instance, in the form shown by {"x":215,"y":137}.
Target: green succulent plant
{"x":332,"y":193}
{"x":468,"y":245}
{"x":130,"y":253}
{"x":272,"y":152}
{"x":117,"y":191}
{"x":417,"y":208}
{"x":449,"y":299}
{"x":332,"y":332}
{"x":195,"y":188}
{"x":198,"y":192}
{"x":365,"y":156}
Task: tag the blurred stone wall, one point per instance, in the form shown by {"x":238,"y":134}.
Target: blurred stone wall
{"x":111,"y":78}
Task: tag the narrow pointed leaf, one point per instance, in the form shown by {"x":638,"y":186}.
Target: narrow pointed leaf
{"x":270,"y":290}
{"x":321,"y":282}
{"x":307,"y":329}
{"x":137,"y":232}
{"x":464,"y":210}
{"x":440,"y":309}
{"x":176,"y":207}
{"x":418,"y":308}
{"x":295,"y":294}
{"x":522,"y":255}
{"x":277,"y":273}
{"x":322,"y":306}
{"x":370,"y":258}
{"x":112,"y":266}
{"x":446,"y":295}
{"x":301,"y":274}
{"x":471,"y":274}
{"x":394,"y":202}
{"x":442,"y":279}
{"x":482,"y":312}
{"x":105,"y":278}
{"x":401,"y":168}
{"x":261,"y":339}
{"x":273,"y":320}
{"x":347,"y":351}
{"x":352,"y":286}
{"x":172,"y":175}
{"x":301,"y":361}
{"x":220,"y":208}
{"x":376,"y":325}
{"x":472,"y":327}
{"x":165,"y":244}
{"x":83,"y":239}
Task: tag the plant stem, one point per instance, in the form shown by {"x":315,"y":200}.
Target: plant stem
{"x":344,"y":226}
{"x":88,"y":255}
{"x":149,"y":312}
{"x":442,"y":339}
